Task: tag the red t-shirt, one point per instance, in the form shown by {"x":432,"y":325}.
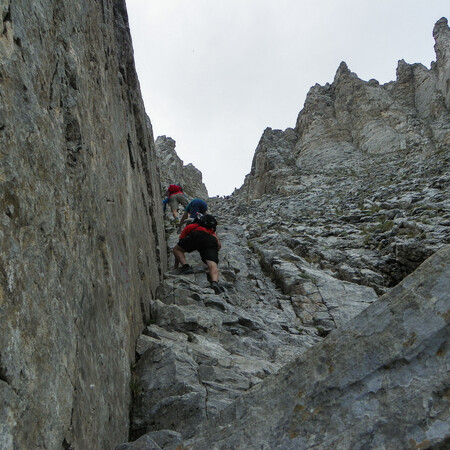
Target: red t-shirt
{"x":195,"y":227}
{"x":174,"y":189}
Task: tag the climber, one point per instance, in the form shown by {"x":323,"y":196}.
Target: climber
{"x":195,"y":208}
{"x":200,"y":236}
{"x":176,"y":196}
{"x":165,"y":201}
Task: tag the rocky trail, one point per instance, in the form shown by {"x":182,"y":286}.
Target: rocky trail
{"x":204,"y":350}
{"x":295,"y":267}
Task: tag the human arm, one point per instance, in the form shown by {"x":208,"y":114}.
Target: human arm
{"x":183,"y":219}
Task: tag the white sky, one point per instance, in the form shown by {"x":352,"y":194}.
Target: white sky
{"x":215,"y":73}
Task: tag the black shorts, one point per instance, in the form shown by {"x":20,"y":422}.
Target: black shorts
{"x":204,"y":243}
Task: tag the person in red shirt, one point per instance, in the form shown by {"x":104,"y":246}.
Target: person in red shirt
{"x":200,"y":236}
{"x":175,"y":196}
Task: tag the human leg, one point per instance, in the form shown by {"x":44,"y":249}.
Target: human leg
{"x":210,"y":258}
{"x":182,"y":199}
{"x":178,"y":199}
{"x":213,"y":276}
{"x":213,"y":270}
{"x":180,"y":258}
{"x":187,"y":244}
{"x":173,"y":203}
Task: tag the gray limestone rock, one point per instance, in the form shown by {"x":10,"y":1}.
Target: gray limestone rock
{"x":203,"y":351}
{"x":173,"y":171}
{"x":352,"y":127}
{"x":299,"y":352}
{"x":379,"y":381}
{"x":227,"y":342}
{"x":82,"y":247}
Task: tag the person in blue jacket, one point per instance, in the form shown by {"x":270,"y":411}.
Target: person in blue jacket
{"x":195,"y":208}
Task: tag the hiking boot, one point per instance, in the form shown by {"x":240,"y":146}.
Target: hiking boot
{"x":186,"y":269}
{"x":216,"y":287}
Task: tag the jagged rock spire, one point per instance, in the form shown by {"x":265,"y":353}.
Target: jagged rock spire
{"x":172,"y":170}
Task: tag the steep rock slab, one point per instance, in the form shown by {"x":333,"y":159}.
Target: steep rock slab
{"x":82,"y":247}
{"x":441,"y":34}
{"x":203,"y":351}
{"x":380,"y":381}
{"x":317,"y":298}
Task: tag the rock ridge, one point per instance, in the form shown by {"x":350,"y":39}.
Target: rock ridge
{"x":172,"y":170}
{"x":353,"y":126}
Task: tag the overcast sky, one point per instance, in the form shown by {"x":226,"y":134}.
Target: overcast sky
{"x":215,"y":73}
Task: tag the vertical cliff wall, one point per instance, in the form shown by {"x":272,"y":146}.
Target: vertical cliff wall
{"x":81,"y":244}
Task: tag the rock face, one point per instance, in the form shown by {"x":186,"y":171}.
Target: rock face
{"x":172,"y":170}
{"x":361,"y":184}
{"x":333,"y":329}
{"x":379,"y":381}
{"x":352,"y":127}
{"x":203,"y":351}
{"x":82,"y":250}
